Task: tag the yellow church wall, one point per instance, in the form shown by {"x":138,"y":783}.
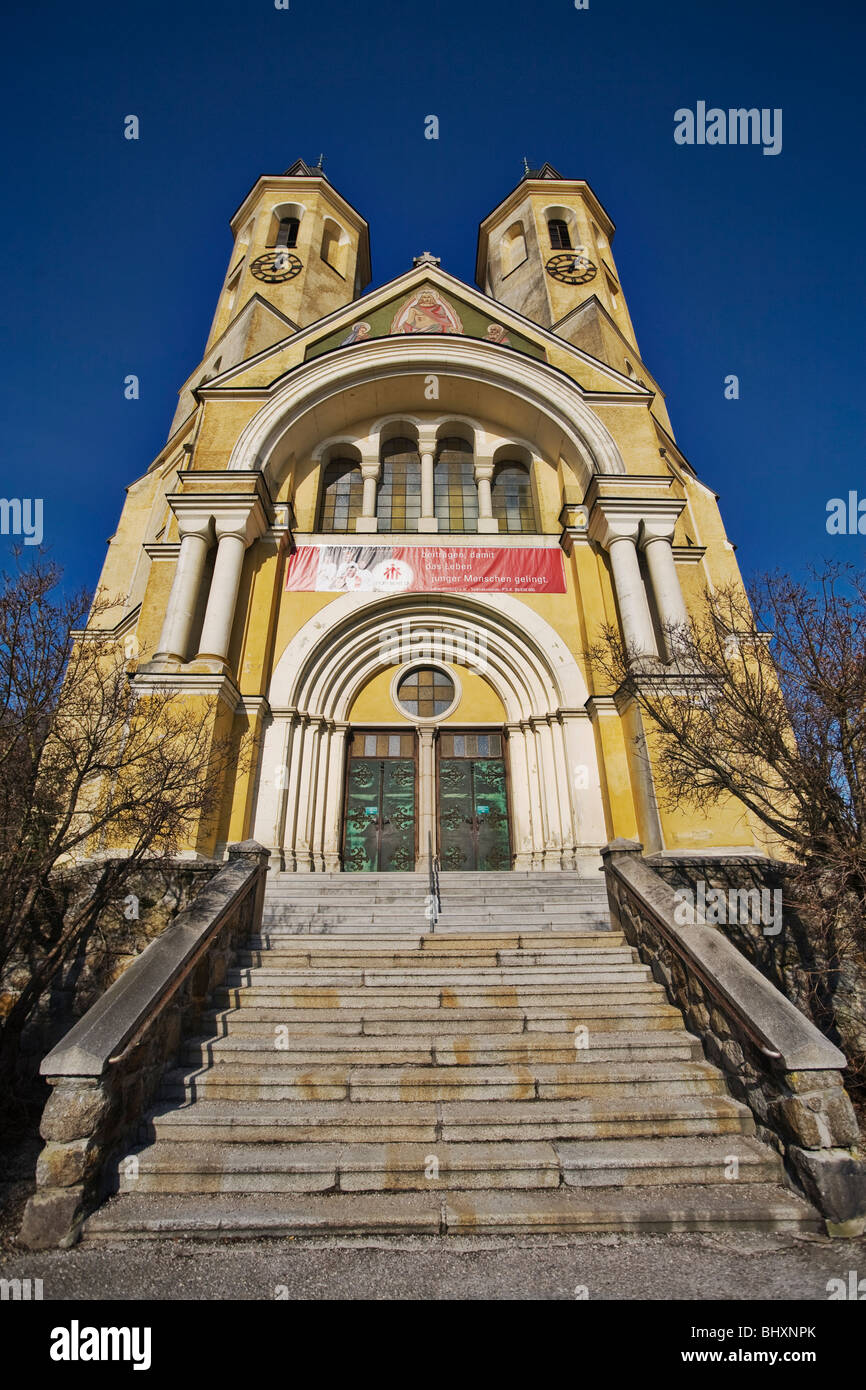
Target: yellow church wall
{"x":124,"y":549}
{"x":238,"y":809}
{"x":153,"y":606}
{"x":293,"y":610}
{"x":684,"y":827}
{"x":257,"y":608}
{"x":587,"y":376}
{"x":219,"y":426}
{"x":479,"y":702}
{"x":305,"y":496}
{"x":635,"y":434}
{"x":614,"y":776}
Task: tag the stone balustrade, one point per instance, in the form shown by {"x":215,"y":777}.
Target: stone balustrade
{"x":106,"y":1070}
{"x":774,"y":1058}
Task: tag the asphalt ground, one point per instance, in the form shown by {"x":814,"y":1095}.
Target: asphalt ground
{"x":731,"y":1266}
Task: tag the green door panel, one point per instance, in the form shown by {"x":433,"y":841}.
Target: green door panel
{"x":380,"y":815}
{"x":473,"y":814}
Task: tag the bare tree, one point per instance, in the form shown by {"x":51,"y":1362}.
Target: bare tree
{"x":765,"y":700}
{"x":89,"y":770}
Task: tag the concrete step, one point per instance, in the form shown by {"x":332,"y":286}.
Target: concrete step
{"x":286,"y":957}
{"x":566,"y":1005}
{"x":336,"y":923}
{"x":757,"y":1206}
{"x":493,"y":1050}
{"x":359,"y":1075}
{"x":202,"y":1167}
{"x":505,"y":927}
{"x":373,"y":946}
{"x":442,"y":977}
{"x":262,"y":1020}
{"x":506,"y":1082}
{"x":185,"y":1167}
{"x":390,"y":1122}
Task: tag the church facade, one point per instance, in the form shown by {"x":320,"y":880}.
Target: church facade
{"x":387,"y":527}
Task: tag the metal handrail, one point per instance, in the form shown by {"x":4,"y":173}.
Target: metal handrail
{"x":433,"y":901}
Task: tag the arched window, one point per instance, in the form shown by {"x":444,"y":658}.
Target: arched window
{"x":399,"y":503}
{"x":559,"y":237}
{"x":455,"y":495}
{"x":513,"y":248}
{"x":287,"y":233}
{"x":334,"y":246}
{"x":512,"y":497}
{"x":342,"y":496}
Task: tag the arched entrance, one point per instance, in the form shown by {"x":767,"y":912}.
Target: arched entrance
{"x":552,"y":801}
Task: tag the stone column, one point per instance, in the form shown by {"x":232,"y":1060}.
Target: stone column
{"x":426,"y":794}
{"x":334,"y":797}
{"x":292,"y":778}
{"x":196,"y":532}
{"x":521,"y":812}
{"x":234,"y":529}
{"x":548,"y":793}
{"x":656,"y":537}
{"x":535,"y":796}
{"x":427,"y":520}
{"x":371,"y":470}
{"x":581,"y":761}
{"x":487,"y":522}
{"x":616,"y":529}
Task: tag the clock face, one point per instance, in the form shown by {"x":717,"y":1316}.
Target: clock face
{"x":571,"y":268}
{"x":276,"y":265}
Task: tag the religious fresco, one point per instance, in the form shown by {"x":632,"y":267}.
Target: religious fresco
{"x":425,"y":310}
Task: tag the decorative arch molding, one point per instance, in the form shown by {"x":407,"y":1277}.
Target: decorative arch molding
{"x":265,"y":444}
{"x":336,"y":652}
{"x":556,"y":803}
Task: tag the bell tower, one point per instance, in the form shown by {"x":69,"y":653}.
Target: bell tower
{"x":298,"y":245}
{"x":546,"y":252}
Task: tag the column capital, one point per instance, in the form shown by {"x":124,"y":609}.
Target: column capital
{"x":427,"y":441}
{"x":193,"y":517}
{"x":243,"y":517}
{"x":659,"y":521}
{"x":614,"y":519}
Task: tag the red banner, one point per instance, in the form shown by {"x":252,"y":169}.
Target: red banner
{"x":394,"y":569}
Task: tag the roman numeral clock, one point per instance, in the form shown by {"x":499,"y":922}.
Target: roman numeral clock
{"x":571,"y":267}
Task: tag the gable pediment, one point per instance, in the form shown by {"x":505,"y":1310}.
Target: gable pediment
{"x":422,"y":302}
{"x":425,"y":308}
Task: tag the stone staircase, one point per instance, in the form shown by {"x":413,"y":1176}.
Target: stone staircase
{"x":516,"y":1069}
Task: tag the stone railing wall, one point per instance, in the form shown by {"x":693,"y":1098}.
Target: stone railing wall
{"x":774,"y":1058}
{"x":106,"y":1070}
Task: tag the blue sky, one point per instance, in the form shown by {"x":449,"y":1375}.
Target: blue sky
{"x":731,"y":261}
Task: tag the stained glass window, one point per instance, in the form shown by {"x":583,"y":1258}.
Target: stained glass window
{"x":470,"y":745}
{"x":426,"y":692}
{"x":455,"y":494}
{"x":383,"y":745}
{"x":342,"y":496}
{"x":512,"y":498}
{"x":399,"y":503}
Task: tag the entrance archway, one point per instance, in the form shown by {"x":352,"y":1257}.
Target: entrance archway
{"x":557,"y":818}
